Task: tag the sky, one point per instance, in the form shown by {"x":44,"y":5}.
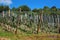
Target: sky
{"x":31,"y":3}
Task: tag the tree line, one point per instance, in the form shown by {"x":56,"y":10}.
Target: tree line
{"x":46,"y":9}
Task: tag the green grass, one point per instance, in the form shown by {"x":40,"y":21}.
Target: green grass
{"x":5,"y":33}
{"x":25,"y":36}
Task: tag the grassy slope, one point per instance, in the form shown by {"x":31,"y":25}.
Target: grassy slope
{"x":24,"y":36}
{"x":6,"y":34}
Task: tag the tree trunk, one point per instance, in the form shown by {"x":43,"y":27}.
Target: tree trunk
{"x":39,"y":24}
{"x":9,"y":13}
{"x":3,"y":13}
{"x":58,"y":24}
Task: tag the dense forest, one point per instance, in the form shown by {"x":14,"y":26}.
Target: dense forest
{"x":30,"y":21}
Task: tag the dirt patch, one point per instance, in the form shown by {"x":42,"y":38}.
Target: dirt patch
{"x":3,"y":38}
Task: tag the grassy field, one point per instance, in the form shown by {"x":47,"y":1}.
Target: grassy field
{"x":24,"y":36}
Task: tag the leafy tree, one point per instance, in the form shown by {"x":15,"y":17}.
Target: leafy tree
{"x":54,"y":14}
{"x":24,"y":8}
{"x":58,"y":11}
{"x":4,"y":8}
{"x":14,"y":9}
{"x":46,"y":10}
{"x":35,"y":10}
{"x":54,"y":8}
{"x":1,"y":8}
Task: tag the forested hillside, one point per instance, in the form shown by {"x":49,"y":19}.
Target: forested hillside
{"x":24,"y":20}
